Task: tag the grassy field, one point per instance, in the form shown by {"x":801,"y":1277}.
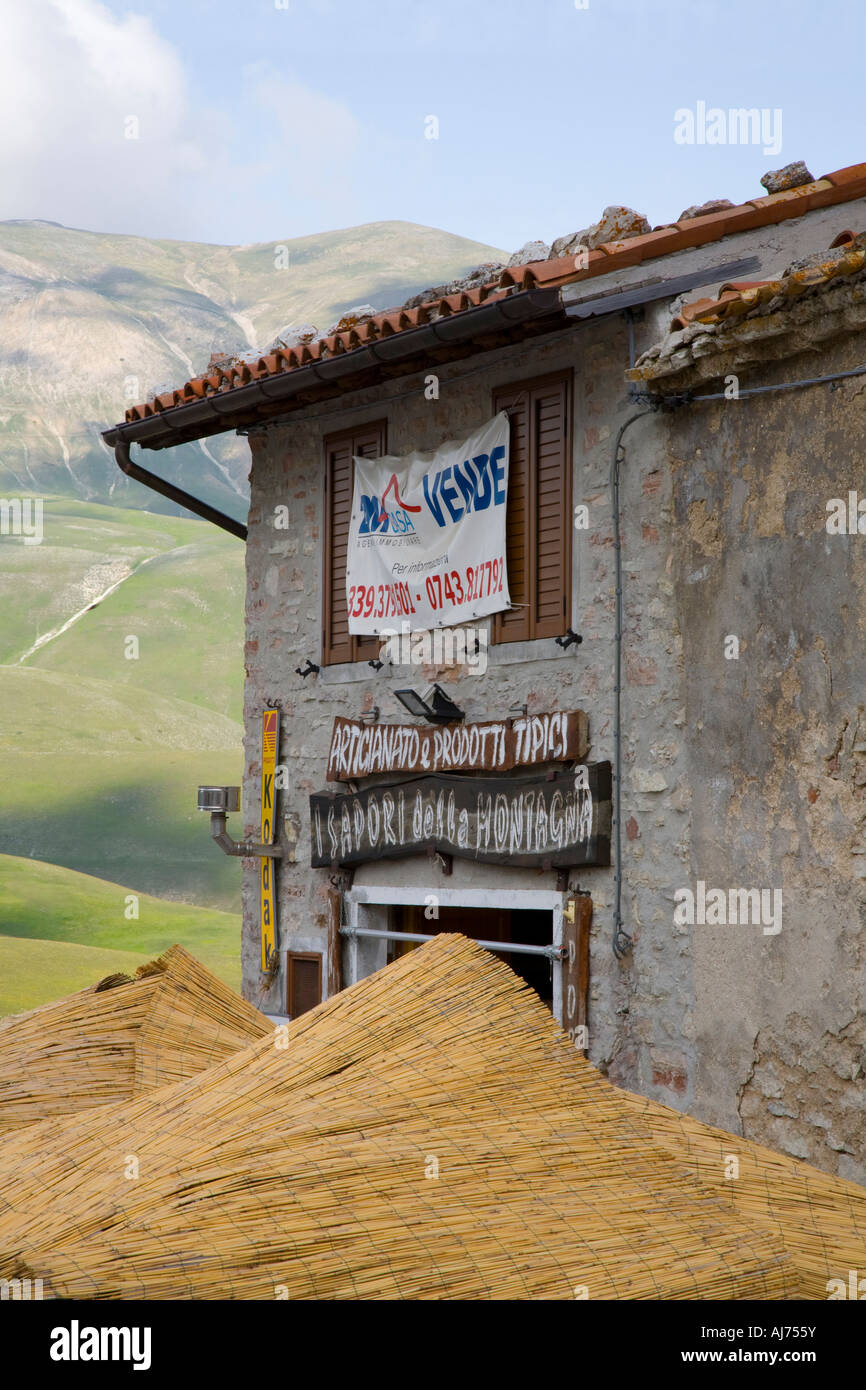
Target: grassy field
{"x":102,"y":755}
{"x":130,"y":818}
{"x":37,"y":972}
{"x":61,"y":931}
{"x":49,"y":712}
{"x":180,"y":594}
{"x":44,"y":902}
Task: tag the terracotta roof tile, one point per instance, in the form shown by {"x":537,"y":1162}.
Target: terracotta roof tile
{"x":518,"y":276}
{"x":566,"y":269}
{"x":792,"y":202}
{"x":839,"y":187}
{"x":764,"y":304}
{"x":661,"y":241}
{"x":854,"y":173}
{"x":699,"y":231}
{"x":624,"y":253}
{"x":452,"y":304}
{"x":689,"y":312}
{"x":740,"y":297}
{"x":735,"y":296}
{"x":743,"y":286}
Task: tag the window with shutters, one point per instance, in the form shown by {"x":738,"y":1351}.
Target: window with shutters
{"x":367,"y":441}
{"x":538,"y":516}
{"x":303,"y":982}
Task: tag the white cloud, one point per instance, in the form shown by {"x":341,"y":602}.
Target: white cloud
{"x":76,"y":81}
{"x":71,"y":78}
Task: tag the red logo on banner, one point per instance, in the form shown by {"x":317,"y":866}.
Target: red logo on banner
{"x":392,"y":487}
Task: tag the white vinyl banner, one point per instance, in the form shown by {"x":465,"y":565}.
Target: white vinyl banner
{"x":427,"y":535}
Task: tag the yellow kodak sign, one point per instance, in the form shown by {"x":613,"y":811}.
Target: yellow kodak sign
{"x":268,"y":900}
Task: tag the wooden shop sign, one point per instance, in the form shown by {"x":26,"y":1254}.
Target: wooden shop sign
{"x":365,"y":750}
{"x":555,"y":820}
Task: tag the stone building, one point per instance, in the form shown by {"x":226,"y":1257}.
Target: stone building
{"x":667,"y":385}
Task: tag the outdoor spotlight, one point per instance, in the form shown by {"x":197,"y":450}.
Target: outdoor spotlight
{"x":411,"y":700}
{"x":438,"y":708}
{"x":219,"y":801}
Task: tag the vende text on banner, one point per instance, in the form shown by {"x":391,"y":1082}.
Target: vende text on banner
{"x":427,"y":535}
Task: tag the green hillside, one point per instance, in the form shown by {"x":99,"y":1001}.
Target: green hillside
{"x":176,"y":584}
{"x":102,"y":755}
{"x":43,"y":902}
{"x":37,"y":972}
{"x":128,"y":818}
{"x":86,"y":547}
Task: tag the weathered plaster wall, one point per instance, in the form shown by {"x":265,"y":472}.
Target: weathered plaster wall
{"x":776,"y":753}
{"x":721,"y":759}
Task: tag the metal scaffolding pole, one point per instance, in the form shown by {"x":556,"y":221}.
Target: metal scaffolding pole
{"x":551,"y":952}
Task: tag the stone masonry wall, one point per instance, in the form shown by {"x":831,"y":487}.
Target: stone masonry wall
{"x":741,"y":773}
{"x":283,"y":629}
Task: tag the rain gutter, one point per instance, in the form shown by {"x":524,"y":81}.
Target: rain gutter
{"x":243,"y":405}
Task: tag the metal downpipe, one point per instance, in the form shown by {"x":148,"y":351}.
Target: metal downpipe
{"x":176,"y":494}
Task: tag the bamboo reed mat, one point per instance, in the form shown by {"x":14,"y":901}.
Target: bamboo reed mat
{"x":429,"y":1133}
{"x":820,"y":1219}
{"x":120,"y":1038}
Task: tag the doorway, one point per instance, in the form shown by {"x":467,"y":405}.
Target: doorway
{"x":530,"y":916}
{"x":522,"y":926}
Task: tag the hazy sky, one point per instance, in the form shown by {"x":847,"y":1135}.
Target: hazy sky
{"x":254,"y":120}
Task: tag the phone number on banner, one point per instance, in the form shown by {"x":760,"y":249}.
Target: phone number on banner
{"x":387,"y":600}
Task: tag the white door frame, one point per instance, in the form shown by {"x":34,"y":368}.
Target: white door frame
{"x":360,"y":900}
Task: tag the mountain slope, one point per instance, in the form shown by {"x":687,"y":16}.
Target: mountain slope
{"x":91,"y":322}
{"x":104,"y":575}
{"x":174,"y":583}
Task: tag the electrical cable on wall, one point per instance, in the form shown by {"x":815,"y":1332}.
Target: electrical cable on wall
{"x":622,"y":941}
